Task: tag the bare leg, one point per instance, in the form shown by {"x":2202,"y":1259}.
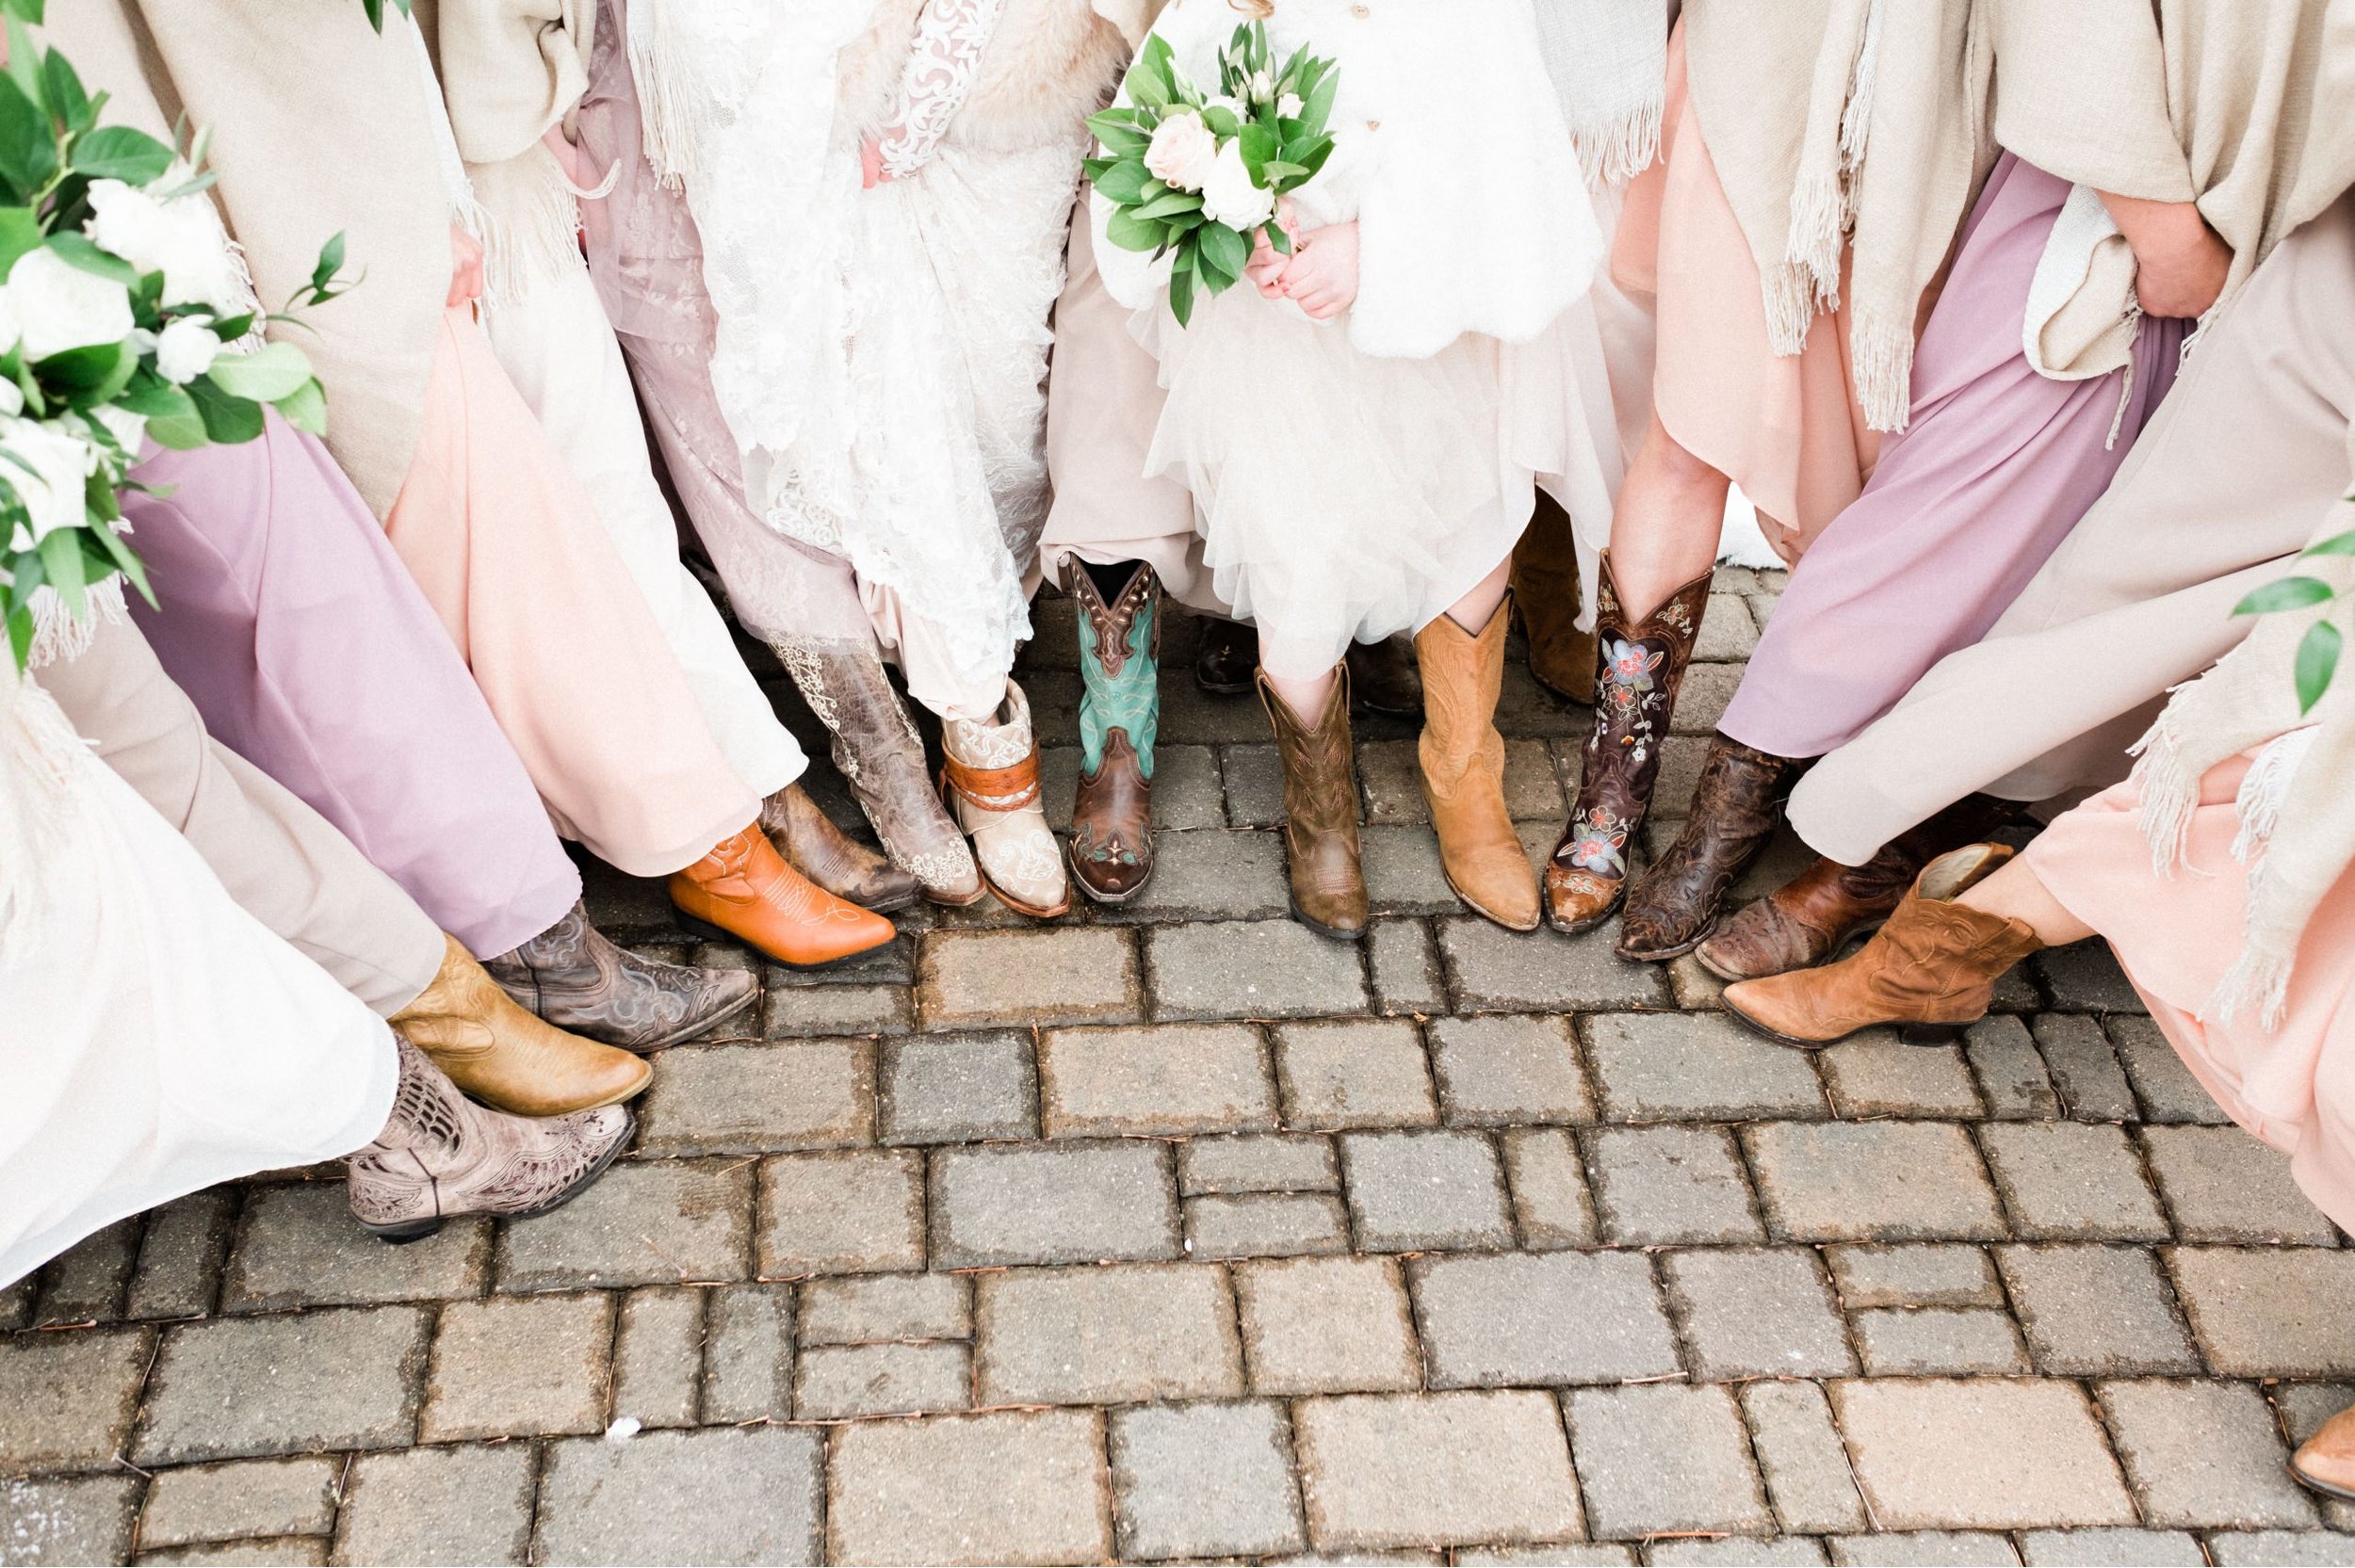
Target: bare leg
{"x":1475,"y":609}
{"x":1664,"y":532}
{"x":2017,"y":892}
{"x":1306,"y":699}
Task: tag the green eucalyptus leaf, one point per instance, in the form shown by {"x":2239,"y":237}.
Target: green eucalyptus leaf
{"x":2337,"y":544}
{"x":119,"y":153}
{"x":63,"y":89}
{"x":82,"y":370}
{"x":77,"y":248}
{"x":61,"y":559}
{"x":126,"y":561}
{"x":2288,"y":594}
{"x":1170,"y":203}
{"x":2318,"y":660}
{"x":1182,"y":295}
{"x":29,"y":149}
{"x":1131,"y":233}
{"x":228,"y":420}
{"x":264,"y":376}
{"x":1124,"y":182}
{"x":1224,"y":250}
{"x":19,"y":232}
{"x":306,"y":409}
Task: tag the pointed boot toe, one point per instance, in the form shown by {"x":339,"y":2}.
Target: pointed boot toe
{"x":812,"y":845}
{"x":744,"y":890}
{"x":2324,"y":1462}
{"x":507,"y":1058}
{"x":577,"y":980}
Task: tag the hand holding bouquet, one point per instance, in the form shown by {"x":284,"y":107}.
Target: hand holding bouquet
{"x":122,"y":298}
{"x":1199,"y":176}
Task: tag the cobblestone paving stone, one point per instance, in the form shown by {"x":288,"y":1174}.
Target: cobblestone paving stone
{"x":1179,"y":1233}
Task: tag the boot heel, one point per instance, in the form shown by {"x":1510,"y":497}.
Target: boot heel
{"x":1931,"y":1034}
{"x":407,"y":1231}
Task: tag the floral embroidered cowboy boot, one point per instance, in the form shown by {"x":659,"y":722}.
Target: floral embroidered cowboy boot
{"x":1120,"y":707}
{"x":991,"y":779}
{"x":1639,"y":669}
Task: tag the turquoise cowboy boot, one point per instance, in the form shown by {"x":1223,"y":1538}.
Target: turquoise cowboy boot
{"x":1120,"y":707}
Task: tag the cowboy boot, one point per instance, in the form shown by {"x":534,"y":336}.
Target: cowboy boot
{"x":1545,"y":593}
{"x":744,"y":890}
{"x":1673,"y":902}
{"x":503,"y":1056}
{"x":1931,"y":969}
{"x":1225,"y":657}
{"x":810,"y":841}
{"x":1383,"y":678}
{"x":575,"y":979}
{"x":1463,"y":770}
{"x":1328,"y":886}
{"x":991,"y":777}
{"x":1637,"y":673}
{"x":442,"y":1156}
{"x":2325,"y":1462}
{"x":876,"y":748}
{"x":1120,"y":707}
{"x":1812,"y":916}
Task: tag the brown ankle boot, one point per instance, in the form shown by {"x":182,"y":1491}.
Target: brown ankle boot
{"x":1932,"y":969}
{"x":442,"y":1156}
{"x":1546,"y":594}
{"x":1637,"y":673}
{"x":813,"y":845}
{"x":744,"y":890}
{"x":1120,"y":707}
{"x":503,"y":1056}
{"x":1321,"y":814}
{"x":1463,"y":770}
{"x":1383,"y":678}
{"x":877,"y":750}
{"x":1812,"y":916}
{"x":575,"y":979}
{"x":1674,"y":901}
{"x":1226,"y":657}
{"x":2325,"y":1462}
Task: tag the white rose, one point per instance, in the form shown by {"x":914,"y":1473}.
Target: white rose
{"x":10,"y":332}
{"x":182,"y":238}
{"x":129,"y":430}
{"x":51,"y":463}
{"x":58,"y":306}
{"x":1288,"y":106}
{"x":1263,"y":87}
{"x":186,"y":350}
{"x":1228,"y":196}
{"x":1182,"y":151}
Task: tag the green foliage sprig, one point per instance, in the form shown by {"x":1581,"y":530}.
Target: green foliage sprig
{"x":2317,"y":657}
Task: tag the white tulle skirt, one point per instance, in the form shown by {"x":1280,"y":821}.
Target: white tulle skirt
{"x":1343,"y":497}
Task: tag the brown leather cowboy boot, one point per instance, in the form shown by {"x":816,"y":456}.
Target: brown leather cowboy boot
{"x":810,"y":841}
{"x":1120,"y":705}
{"x":1546,"y":594}
{"x":744,"y":890}
{"x":575,"y":979}
{"x":2325,"y":1462}
{"x":1673,"y":902}
{"x":1639,"y":670}
{"x":1383,"y":678}
{"x":503,"y":1056}
{"x":1931,"y":969}
{"x":442,"y":1156}
{"x":1328,"y":886}
{"x":1463,"y":770}
{"x":1812,"y":916}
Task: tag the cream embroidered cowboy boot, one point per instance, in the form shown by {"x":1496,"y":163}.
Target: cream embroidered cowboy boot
{"x":992,"y":780}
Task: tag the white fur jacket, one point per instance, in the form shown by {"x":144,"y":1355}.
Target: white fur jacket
{"x":1450,"y":153}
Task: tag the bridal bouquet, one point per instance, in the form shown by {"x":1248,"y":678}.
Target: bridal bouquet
{"x":1198,"y":175}
{"x":121,"y":303}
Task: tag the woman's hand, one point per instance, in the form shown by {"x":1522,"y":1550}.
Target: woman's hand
{"x":1322,"y":277}
{"x":1266,"y":267}
{"x":2180,"y":262}
{"x":870,"y":164}
{"x":466,"y":266}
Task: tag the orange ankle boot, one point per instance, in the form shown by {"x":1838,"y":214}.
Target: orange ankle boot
{"x":745,"y":890}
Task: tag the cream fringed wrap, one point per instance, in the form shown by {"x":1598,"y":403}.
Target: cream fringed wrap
{"x":2246,"y":106}
{"x":1863,"y":121}
{"x":2296,"y":806}
{"x":318,"y":125}
{"x":1609,"y":61}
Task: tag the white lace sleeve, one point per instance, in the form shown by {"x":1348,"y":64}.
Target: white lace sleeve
{"x":941,"y":66}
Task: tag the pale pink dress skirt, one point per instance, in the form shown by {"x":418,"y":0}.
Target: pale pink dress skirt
{"x":507,"y":548}
{"x":2293,"y":1086}
{"x":1786,"y":429}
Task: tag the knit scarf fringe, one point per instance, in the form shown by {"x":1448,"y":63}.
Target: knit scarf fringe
{"x":670,"y":120}
{"x":1880,"y":357}
{"x":1616,"y":153}
{"x":530,"y":222}
{"x":1790,"y":294}
{"x":58,"y":634}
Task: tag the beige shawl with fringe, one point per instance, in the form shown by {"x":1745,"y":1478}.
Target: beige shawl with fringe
{"x":317,"y":127}
{"x":1609,"y":61}
{"x":2296,"y":806}
{"x":2246,"y":106}
{"x":1856,"y":120}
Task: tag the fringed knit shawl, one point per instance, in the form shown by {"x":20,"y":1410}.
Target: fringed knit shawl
{"x":1855,"y":126}
{"x":2296,"y":806}
{"x":1609,"y":61}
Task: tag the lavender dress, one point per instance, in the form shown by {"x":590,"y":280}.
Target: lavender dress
{"x":1997,"y":466}
{"x":302,"y":638}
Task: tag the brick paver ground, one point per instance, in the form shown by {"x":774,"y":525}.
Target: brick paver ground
{"x":1176,"y":1232}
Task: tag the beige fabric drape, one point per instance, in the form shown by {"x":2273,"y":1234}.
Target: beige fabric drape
{"x":318,"y":125}
{"x":2223,"y":488}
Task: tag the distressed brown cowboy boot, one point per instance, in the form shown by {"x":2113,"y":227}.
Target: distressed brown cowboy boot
{"x":442,"y":1156}
{"x":807,"y":838}
{"x":1816,"y":914}
{"x":1328,"y":886}
{"x":1637,"y":673}
{"x":503,"y":1056}
{"x":1546,"y":595}
{"x":575,"y":979}
{"x":1383,"y":678}
{"x":1931,"y":969}
{"x":1673,"y":902}
{"x":2325,"y":1462}
{"x":1120,"y":705}
{"x":1225,"y":657}
{"x":1463,"y":770}
{"x":877,"y":752}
